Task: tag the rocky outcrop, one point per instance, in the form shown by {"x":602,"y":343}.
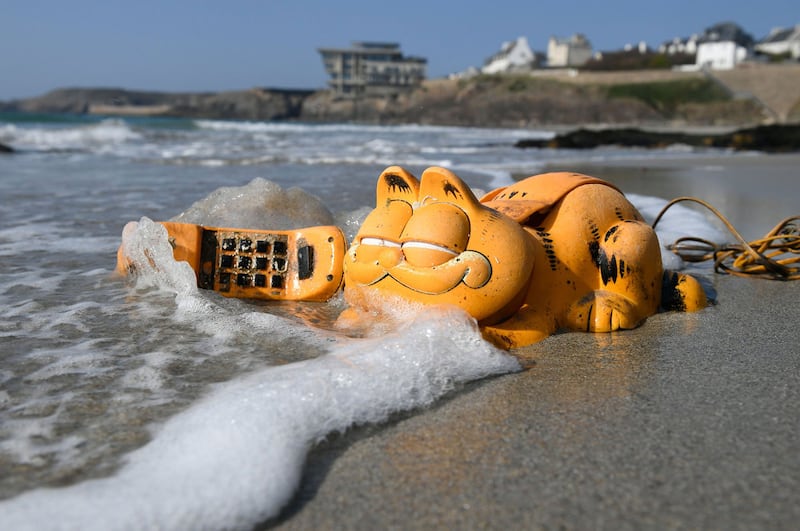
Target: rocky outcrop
{"x":80,"y":100}
{"x":484,"y":102}
{"x":522,"y":101}
{"x":768,"y":138}
{"x":254,"y":104}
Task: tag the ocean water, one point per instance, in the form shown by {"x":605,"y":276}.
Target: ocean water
{"x":148,"y":403}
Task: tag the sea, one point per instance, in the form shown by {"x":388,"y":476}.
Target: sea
{"x":146,"y":403}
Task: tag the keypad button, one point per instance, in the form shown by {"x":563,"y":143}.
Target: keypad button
{"x":279,"y":264}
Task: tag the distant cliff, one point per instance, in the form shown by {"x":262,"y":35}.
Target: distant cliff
{"x":253,"y":104}
{"x":743,"y":97}
{"x":749,"y":95}
{"x":525,"y":102}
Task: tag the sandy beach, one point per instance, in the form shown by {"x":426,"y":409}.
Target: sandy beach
{"x":691,"y":421}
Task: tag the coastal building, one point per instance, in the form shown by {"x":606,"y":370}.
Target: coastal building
{"x":571,"y":52}
{"x":371,"y":68}
{"x":781,"y":41}
{"x":680,"y":45}
{"x":641,"y":47}
{"x":514,"y":56}
{"x":723,"y":46}
{"x":722,"y":55}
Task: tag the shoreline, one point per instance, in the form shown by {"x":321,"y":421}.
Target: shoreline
{"x":689,"y":420}
{"x":734,"y":184}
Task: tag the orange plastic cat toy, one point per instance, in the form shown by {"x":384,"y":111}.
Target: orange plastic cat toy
{"x":554,"y":251}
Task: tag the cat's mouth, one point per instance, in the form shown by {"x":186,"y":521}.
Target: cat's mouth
{"x":434,"y":270}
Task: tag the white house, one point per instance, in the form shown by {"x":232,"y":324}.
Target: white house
{"x":781,"y":41}
{"x":720,"y":55}
{"x":641,"y":47}
{"x":678,"y":45}
{"x":574,"y":51}
{"x":513,"y":56}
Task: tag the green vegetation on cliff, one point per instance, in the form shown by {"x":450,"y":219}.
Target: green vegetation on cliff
{"x":512,"y":83}
{"x":666,"y":96}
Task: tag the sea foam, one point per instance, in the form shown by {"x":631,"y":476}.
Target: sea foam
{"x":96,"y":137}
{"x":678,"y":222}
{"x":235,"y":458}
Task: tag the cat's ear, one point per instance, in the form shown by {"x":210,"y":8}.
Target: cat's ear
{"x":396,"y":184}
{"x":440,"y":184}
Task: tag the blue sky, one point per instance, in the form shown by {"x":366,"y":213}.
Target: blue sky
{"x":201,"y":45}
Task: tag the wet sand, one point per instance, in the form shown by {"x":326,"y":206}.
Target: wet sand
{"x":690,"y":421}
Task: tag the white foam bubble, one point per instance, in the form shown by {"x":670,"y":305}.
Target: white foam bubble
{"x":80,"y":359}
{"x":145,"y":377}
{"x":97,"y":137}
{"x":350,"y":222}
{"x":61,"y":449}
{"x":234,"y":459}
{"x":259,"y":204}
{"x":414,"y":130}
{"x":146,"y":246}
{"x":50,"y":237}
{"x":678,"y":222}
